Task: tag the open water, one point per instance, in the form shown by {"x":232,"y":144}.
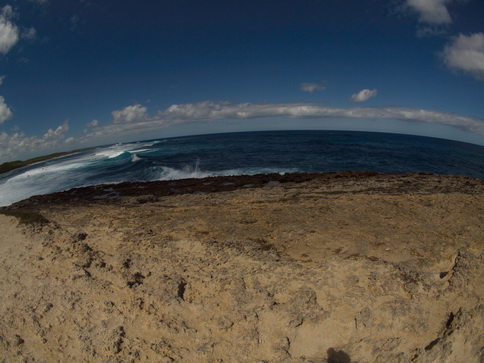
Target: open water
{"x":244,"y":153}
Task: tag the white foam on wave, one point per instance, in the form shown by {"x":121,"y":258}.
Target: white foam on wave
{"x":174,"y":174}
{"x":189,"y":172}
{"x":48,"y":177}
{"x":254,"y":171}
{"x":186,"y":173}
{"x":37,"y":182}
{"x":45,"y":170}
{"x":109,"y":154}
{"x":139,"y":151}
{"x":114,"y":151}
{"x":60,"y":174}
{"x":87,"y":169}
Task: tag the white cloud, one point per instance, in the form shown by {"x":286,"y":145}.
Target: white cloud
{"x":93,"y":123}
{"x":431,"y":11}
{"x":2,"y":78}
{"x":431,"y":31}
{"x":5,"y":112}
{"x":208,"y":111}
{"x":364,"y":95}
{"x":311,"y":87}
{"x":17,"y":144}
{"x":466,"y":53}
{"x":9,"y":33}
{"x":135,"y":113}
{"x":57,"y":133}
{"x":7,"y":12}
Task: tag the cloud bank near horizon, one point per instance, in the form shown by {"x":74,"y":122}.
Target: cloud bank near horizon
{"x":136,"y":119}
{"x":18,"y":143}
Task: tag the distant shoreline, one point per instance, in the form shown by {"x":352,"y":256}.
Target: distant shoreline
{"x":17,"y":164}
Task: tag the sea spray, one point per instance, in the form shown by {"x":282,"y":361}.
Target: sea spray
{"x":135,"y":158}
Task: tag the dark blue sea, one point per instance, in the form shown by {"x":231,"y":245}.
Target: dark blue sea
{"x":244,"y":153}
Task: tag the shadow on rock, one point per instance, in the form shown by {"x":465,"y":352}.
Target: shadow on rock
{"x":338,"y":356}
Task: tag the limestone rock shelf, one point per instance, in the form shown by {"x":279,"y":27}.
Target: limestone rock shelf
{"x":337,"y":267}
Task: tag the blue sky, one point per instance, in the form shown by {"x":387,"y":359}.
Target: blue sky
{"x":77,"y":73}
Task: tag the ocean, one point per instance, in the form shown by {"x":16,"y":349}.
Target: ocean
{"x":244,"y":153}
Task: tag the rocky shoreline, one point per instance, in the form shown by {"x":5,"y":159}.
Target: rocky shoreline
{"x":336,"y":267}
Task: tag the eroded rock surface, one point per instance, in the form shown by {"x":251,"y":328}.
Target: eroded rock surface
{"x":347,"y":267}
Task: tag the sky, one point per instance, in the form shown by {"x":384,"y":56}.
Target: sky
{"x":80,"y":73}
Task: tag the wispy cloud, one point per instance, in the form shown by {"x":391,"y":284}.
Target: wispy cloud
{"x":431,"y":31}
{"x":466,"y":53}
{"x":74,"y":22}
{"x":208,"y":111}
{"x":9,"y":32}
{"x":29,"y":34}
{"x":364,"y":95}
{"x":311,"y":87}
{"x":431,"y":11}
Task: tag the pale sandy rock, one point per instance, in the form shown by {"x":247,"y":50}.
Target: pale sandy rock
{"x":361,"y":268}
